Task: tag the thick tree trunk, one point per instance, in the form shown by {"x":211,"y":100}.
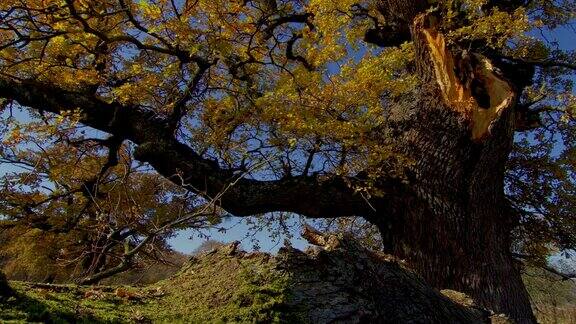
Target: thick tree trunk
{"x":460,"y":252}
{"x":453,"y":224}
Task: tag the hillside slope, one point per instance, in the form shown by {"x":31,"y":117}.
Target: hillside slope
{"x":340,"y":281}
{"x":553,"y":298}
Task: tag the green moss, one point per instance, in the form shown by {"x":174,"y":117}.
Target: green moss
{"x":215,"y":288}
{"x":63,"y":304}
{"x":221,"y":289}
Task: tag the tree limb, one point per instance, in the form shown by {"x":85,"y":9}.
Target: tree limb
{"x":311,"y":196}
{"x":564,"y":276}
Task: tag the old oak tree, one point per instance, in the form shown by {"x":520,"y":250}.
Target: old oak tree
{"x":447,"y":124}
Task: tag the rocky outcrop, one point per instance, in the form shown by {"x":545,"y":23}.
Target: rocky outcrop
{"x":340,"y":281}
{"x":337,"y":281}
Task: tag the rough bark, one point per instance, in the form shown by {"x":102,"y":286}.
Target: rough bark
{"x":453,"y":223}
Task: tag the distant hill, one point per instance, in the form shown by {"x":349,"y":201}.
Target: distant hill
{"x":554,"y":299}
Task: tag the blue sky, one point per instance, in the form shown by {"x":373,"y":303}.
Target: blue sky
{"x":238,"y":229}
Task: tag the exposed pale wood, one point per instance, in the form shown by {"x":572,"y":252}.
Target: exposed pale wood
{"x":458,"y":93}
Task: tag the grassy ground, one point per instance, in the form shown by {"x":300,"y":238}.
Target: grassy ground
{"x":62,"y":304}
{"x":217,"y":288}
{"x":554,"y":299}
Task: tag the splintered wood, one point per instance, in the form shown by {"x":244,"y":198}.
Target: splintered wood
{"x":469,"y":82}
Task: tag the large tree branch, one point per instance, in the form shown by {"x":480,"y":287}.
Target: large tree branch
{"x":525,"y":258}
{"x":546,"y":63}
{"x":307,"y":195}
